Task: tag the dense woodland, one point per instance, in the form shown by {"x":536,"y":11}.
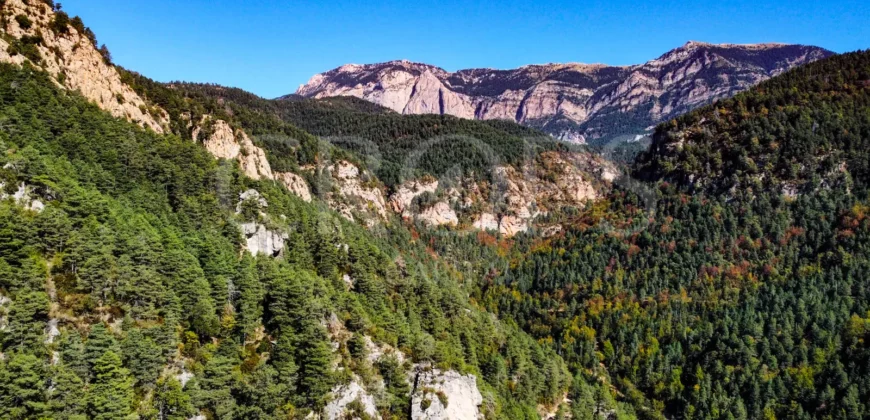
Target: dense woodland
{"x":395,"y":147}
{"x":742,"y":294}
{"x":136,"y":256}
{"x":799,"y":132}
{"x":735,"y":300}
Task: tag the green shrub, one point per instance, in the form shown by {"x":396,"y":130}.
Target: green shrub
{"x":26,"y":46}
{"x":60,"y":23}
{"x":24,"y":22}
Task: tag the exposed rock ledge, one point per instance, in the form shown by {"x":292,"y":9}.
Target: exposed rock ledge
{"x":258,"y":238}
{"x":440,"y":214}
{"x":354,"y":193}
{"x":445,"y":395}
{"x":261,"y":240}
{"x":76,"y":64}
{"x":406,"y":193}
{"x":516,"y":196}
{"x":344,"y":395}
{"x":225,"y":143}
{"x":295,"y":183}
{"x":23,"y":197}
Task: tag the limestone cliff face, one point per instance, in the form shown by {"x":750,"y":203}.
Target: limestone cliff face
{"x":295,"y":183}
{"x":225,"y":143}
{"x":572,"y":101}
{"x":354,"y":192}
{"x":515,"y":197}
{"x":441,"y":395}
{"x":74,"y":62}
{"x":259,"y":239}
{"x":435,"y":394}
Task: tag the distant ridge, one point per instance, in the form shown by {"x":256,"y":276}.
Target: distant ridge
{"x":573,"y":101}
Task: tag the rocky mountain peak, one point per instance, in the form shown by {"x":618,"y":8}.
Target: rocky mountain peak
{"x":573,"y":101}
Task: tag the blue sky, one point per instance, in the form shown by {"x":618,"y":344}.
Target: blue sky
{"x":271,"y":47}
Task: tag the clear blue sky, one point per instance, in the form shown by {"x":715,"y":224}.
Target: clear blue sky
{"x":270,"y":47}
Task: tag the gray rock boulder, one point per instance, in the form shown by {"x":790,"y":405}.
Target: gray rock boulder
{"x":441,"y":395}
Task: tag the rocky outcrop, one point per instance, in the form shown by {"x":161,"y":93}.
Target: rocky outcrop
{"x":51,"y":330}
{"x":573,"y":101}
{"x":74,"y":63}
{"x":405,"y":194}
{"x":355,"y":192}
{"x":487,"y":221}
{"x":442,"y":395}
{"x":295,"y":183}
{"x":435,"y":394}
{"x":440,"y":214}
{"x":24,"y":196}
{"x":514,"y":199}
{"x":225,"y":143}
{"x":5,"y":306}
{"x":376,"y":351}
{"x":344,"y":396}
{"x":259,"y":239}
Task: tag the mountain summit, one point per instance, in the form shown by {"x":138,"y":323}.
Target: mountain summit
{"x":575,"y":102}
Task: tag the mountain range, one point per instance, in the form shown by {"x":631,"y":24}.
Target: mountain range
{"x":183,"y":251}
{"x":576,"y":102}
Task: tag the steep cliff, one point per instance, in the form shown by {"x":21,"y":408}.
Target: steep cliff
{"x":576,"y":102}
{"x":34,"y":33}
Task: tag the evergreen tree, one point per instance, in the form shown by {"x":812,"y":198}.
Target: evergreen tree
{"x":314,"y":355}
{"x":71,"y":349}
{"x":27,"y":320}
{"x":251,"y":295}
{"x":284,"y":361}
{"x":99,"y":276}
{"x":100,"y":340}
{"x":22,"y":387}
{"x":67,"y":398}
{"x":143,"y":357}
{"x":171,"y":402}
{"x":395,"y":384}
{"x":216,"y":384}
{"x":111,"y":393}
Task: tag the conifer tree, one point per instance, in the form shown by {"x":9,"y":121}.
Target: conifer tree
{"x":27,"y":319}
{"x":100,"y":340}
{"x":111,"y":393}
{"x":251,"y":295}
{"x":314,"y":355}
{"x":67,"y":398}
{"x":22,"y":387}
{"x":171,"y":402}
{"x":142,"y":356}
{"x":71,"y":349}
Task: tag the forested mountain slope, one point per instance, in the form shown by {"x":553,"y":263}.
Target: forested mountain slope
{"x":435,"y":169}
{"x":38,"y":33}
{"x":736,"y":297}
{"x":798,"y":133}
{"x":231,"y":257}
{"x":181,"y":270}
{"x":122,"y":277}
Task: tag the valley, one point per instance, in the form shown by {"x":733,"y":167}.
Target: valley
{"x":396,"y":241}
